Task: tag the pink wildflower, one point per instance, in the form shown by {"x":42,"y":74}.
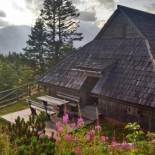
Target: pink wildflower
{"x":58,"y":124}
{"x":114,"y":143}
{"x":104,"y":139}
{"x":90,"y":135}
{"x":68,"y":137}
{"x":78,"y":150}
{"x":73,"y":125}
{"x":57,"y":138}
{"x":59,"y":127}
{"x":65,"y":118}
{"x":123,"y":145}
{"x":98,"y":128}
{"x":80,"y":122}
{"x":127,"y":145}
{"x":92,"y":132}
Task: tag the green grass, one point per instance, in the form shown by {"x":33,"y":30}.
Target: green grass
{"x":13,"y":108}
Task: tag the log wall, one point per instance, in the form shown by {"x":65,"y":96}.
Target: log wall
{"x":126,"y":112}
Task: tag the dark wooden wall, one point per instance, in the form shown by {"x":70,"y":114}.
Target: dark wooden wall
{"x":84,"y":93}
{"x":126,"y":112}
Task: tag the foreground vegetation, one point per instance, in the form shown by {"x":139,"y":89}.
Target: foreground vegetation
{"x":28,"y":138}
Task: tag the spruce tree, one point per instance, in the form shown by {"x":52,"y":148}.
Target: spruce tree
{"x":35,"y":51}
{"x":60,"y":18}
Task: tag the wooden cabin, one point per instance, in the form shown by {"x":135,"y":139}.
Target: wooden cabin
{"x":116,"y":70}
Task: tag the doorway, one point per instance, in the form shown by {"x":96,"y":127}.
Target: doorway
{"x":86,"y":95}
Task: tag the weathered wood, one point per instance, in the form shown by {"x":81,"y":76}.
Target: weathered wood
{"x":122,"y":58}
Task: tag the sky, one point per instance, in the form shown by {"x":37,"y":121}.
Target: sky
{"x":94,"y":13}
{"x":24,"y":12}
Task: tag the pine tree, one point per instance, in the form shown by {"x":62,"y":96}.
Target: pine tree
{"x":35,"y":52}
{"x":60,"y":18}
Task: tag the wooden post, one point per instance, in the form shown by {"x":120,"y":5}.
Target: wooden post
{"x":79,"y":110}
{"x":17,"y":95}
{"x":49,"y":91}
{"x":29,"y":90}
{"x":45,"y":88}
{"x":38,"y":88}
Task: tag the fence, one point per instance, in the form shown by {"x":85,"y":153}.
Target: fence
{"x":15,"y":94}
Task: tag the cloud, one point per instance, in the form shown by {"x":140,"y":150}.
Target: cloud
{"x":2,"y":13}
{"x":109,"y":4}
{"x":13,"y":38}
{"x":76,"y":1}
{"x":151,"y":7}
{"x":3,"y":23}
{"x":88,"y":16}
{"x":34,"y":5}
{"x":89,"y":31}
{"x":17,"y":6}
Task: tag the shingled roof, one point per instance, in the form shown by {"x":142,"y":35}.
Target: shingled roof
{"x":126,"y":65}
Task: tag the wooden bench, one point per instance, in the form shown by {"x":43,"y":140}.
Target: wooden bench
{"x":41,"y":107}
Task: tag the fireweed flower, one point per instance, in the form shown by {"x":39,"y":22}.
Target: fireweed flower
{"x":98,"y":128}
{"x":68,"y":137}
{"x":127,"y":145}
{"x":59,"y":126}
{"x":92,"y":132}
{"x":65,"y":118}
{"x":60,"y":129}
{"x":73,"y":125}
{"x":57,"y":138}
{"x":80,"y":122}
{"x":90,"y":135}
{"x":104,"y":139}
{"x":123,"y":145}
{"x":114,"y":143}
{"x":78,"y":150}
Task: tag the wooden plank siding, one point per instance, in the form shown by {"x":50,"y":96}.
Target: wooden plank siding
{"x":127,"y":112}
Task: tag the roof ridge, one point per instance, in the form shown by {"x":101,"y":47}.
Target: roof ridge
{"x":133,"y":9}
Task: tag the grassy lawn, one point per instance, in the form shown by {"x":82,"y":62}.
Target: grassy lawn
{"x":13,"y":108}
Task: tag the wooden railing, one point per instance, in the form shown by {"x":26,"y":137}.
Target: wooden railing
{"x":13,"y":95}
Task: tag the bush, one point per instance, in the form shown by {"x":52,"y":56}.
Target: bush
{"x":73,"y":139}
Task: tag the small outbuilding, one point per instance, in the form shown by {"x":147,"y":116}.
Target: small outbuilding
{"x":116,"y":70}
